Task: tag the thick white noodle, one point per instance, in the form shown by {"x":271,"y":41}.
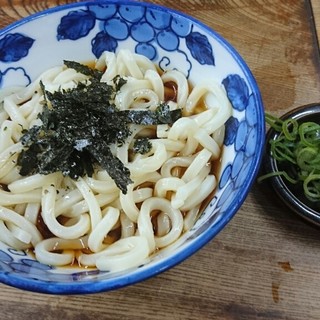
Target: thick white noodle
{"x":152,"y":162}
{"x":7,"y":215}
{"x":127,"y":226}
{"x":44,"y":254}
{"x":34,"y":182}
{"x":32,"y":212}
{"x":82,"y":206}
{"x":88,"y":195}
{"x":10,"y":133}
{"x":65,"y":203}
{"x":97,"y":235}
{"x":167,"y":184}
{"x":201,"y":193}
{"x":123,"y":254}
{"x":92,"y":222}
{"x":48,"y":215}
{"x":128,"y":201}
{"x":163,"y":224}
{"x":107,"y":60}
{"x":170,"y":164}
{"x":190,"y":218}
{"x":9,"y":165}
{"x":10,"y":199}
{"x":12,"y":176}
{"x":200,"y":161}
{"x":7,"y":237}
{"x":155,"y":80}
{"x":182,"y":85}
{"x":8,"y":152}
{"x":145,"y":226}
{"x":219,"y":103}
{"x":14,"y":112}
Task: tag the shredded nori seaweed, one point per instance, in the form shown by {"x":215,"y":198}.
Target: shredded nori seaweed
{"x":81,"y":68}
{"x":79,"y":125}
{"x":142,"y":145}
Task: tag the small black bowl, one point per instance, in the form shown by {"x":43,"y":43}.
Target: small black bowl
{"x":292,"y":195}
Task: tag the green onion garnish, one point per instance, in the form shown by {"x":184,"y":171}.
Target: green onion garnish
{"x":297,"y":148}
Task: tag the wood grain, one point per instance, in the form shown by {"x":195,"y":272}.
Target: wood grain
{"x":315,"y":6}
{"x":265,"y":263}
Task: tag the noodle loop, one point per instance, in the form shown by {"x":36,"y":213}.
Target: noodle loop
{"x":89,"y":221}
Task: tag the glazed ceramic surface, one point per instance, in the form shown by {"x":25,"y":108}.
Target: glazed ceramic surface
{"x":81,"y":32}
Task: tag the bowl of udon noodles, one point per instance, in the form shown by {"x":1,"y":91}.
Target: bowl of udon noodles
{"x":130,"y":135}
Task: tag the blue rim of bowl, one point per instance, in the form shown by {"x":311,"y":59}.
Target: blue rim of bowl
{"x":270,"y":164}
{"x":86,"y":287}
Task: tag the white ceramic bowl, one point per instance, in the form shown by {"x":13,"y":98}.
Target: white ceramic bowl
{"x":81,"y":31}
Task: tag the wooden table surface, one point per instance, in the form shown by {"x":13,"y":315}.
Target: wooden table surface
{"x":266,"y":263}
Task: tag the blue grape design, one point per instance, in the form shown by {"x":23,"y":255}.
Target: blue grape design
{"x":142,"y":32}
{"x":168,"y":40}
{"x":158,"y":19}
{"x":180,"y":26}
{"x":116,"y":28}
{"x":146,"y":49}
{"x":103,"y":11}
{"x":151,"y":30}
{"x":132,"y":14}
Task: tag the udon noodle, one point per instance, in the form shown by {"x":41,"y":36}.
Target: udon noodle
{"x":89,"y":220}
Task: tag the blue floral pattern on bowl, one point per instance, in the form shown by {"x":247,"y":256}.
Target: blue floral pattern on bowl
{"x":172,"y":40}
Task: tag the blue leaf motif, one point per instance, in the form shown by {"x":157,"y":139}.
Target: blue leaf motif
{"x":200,"y":48}
{"x":232,"y":125}
{"x":35,"y":264}
{"x":5,"y":257}
{"x":103,"y":42}
{"x":14,"y":46}
{"x":251,"y":112}
{"x":75,"y":25}
{"x":16,"y":76}
{"x":237,"y":91}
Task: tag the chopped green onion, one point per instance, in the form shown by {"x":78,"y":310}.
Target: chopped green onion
{"x":277,"y":173}
{"x":297,"y":148}
{"x":274,"y":122}
{"x":290,"y":129}
{"x":311,"y":186}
